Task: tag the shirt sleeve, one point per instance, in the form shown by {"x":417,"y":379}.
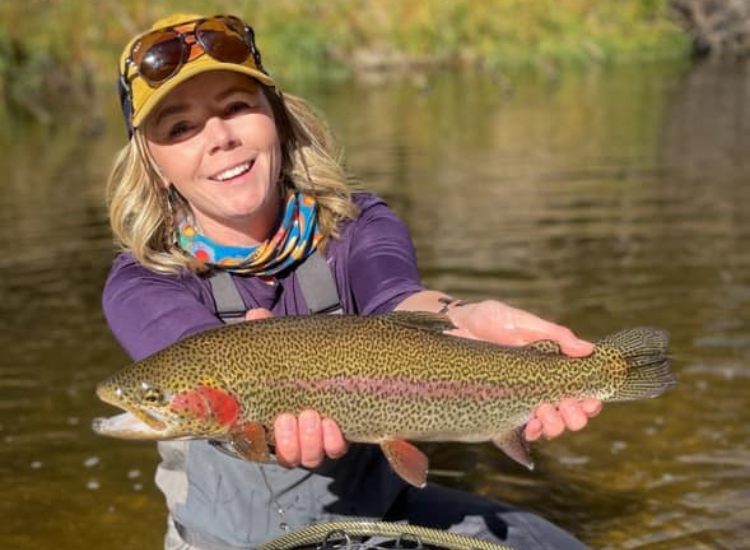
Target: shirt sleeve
{"x":147,"y":311}
{"x":382,"y":261}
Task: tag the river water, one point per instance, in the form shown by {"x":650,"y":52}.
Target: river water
{"x":602,"y":200}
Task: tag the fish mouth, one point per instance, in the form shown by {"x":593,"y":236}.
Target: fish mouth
{"x":132,"y":424}
{"x":129,"y":425}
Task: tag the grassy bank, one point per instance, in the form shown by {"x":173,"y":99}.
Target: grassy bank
{"x":59,"y":50}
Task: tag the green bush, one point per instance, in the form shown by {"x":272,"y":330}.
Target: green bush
{"x":80,"y":40}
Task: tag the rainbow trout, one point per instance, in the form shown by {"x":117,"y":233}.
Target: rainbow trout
{"x":385,"y":379}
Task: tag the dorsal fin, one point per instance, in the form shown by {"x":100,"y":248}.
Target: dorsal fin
{"x":548,"y":347}
{"x":423,"y":320}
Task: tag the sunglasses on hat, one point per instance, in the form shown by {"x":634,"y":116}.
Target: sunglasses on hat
{"x":158,"y":55}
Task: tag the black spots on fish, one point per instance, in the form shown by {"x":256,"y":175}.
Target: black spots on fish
{"x":548,"y":347}
{"x":422,"y":320}
{"x":404,"y":378}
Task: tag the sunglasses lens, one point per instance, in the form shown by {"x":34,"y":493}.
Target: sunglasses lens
{"x":223,"y":39}
{"x":159,"y":56}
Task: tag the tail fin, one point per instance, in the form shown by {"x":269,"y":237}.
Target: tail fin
{"x":646,"y":352}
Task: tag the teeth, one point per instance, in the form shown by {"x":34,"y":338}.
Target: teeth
{"x":233,"y":172}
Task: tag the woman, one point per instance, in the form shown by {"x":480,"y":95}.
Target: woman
{"x":223,"y":174}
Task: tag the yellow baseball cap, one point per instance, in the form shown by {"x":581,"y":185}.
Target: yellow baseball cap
{"x":138,"y":97}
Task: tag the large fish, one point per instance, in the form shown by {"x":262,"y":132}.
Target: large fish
{"x":385,"y":379}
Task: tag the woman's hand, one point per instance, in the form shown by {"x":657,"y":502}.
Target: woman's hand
{"x":305,"y":440}
{"x":570,"y":414}
{"x":502,"y":324}
{"x":257,"y":314}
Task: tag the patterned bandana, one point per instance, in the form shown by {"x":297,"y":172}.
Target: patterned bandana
{"x":296,"y":238}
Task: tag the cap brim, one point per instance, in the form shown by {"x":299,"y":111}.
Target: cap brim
{"x":187,"y":72}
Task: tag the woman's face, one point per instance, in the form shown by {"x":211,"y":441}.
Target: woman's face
{"x":214,"y":138}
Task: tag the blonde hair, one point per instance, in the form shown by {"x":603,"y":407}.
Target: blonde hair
{"x":142,"y":212}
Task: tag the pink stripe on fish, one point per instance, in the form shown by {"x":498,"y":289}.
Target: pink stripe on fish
{"x":402,"y":388}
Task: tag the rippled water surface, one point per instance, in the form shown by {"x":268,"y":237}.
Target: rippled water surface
{"x":600,"y":200}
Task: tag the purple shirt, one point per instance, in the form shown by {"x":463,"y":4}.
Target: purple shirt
{"x":373,"y":263}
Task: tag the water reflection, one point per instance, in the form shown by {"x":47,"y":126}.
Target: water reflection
{"x":603,"y":200}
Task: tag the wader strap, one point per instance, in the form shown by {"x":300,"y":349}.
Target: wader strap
{"x":229,"y":304}
{"x":318,"y":285}
{"x":313,"y":276}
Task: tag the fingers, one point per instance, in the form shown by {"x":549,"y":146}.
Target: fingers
{"x":257,"y":313}
{"x":500,"y":323}
{"x":571,"y":414}
{"x":571,"y":345}
{"x":551,"y":419}
{"x":310,"y":439}
{"x":534,"y":429}
{"x":532,"y":328}
{"x":333,"y":440}
{"x":307,"y":440}
{"x":591,"y":407}
{"x":286,"y":440}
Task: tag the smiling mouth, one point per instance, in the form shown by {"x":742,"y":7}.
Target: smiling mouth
{"x":234,"y":172}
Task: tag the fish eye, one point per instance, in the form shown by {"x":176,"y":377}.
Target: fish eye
{"x":153,"y":396}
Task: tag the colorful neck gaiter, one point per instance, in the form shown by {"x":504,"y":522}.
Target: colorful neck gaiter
{"x":295,"y":239}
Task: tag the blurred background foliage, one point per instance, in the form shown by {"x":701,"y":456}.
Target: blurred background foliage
{"x":56,"y":54}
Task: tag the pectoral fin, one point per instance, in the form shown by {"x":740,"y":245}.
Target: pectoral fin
{"x":407,"y":461}
{"x":514,"y":444}
{"x":250,"y":442}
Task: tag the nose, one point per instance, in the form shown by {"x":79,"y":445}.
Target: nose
{"x":220,"y":135}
